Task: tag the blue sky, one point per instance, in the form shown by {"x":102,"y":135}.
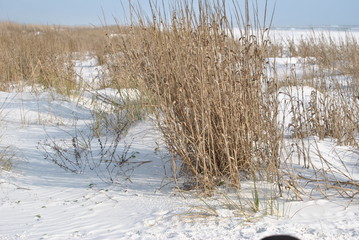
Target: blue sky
{"x":94,"y":12}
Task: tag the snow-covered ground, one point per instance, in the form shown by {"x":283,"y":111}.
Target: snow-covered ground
{"x":296,"y":35}
{"x":278,"y":35}
{"x":40,"y":200}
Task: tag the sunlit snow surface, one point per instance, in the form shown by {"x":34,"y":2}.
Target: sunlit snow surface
{"x":39,"y":200}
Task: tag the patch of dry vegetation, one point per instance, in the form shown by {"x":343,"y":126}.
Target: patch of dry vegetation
{"x":331,"y":68}
{"x":218,"y":109}
{"x":208,"y":88}
{"x":33,"y":54}
{"x":216,"y":106}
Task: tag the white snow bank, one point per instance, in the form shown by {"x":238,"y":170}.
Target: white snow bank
{"x":296,"y":35}
{"x":89,"y":72}
{"x":31,"y":108}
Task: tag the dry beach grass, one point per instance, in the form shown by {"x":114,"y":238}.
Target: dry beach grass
{"x":208,"y":88}
{"x":213,"y":92}
{"x":219,"y":107}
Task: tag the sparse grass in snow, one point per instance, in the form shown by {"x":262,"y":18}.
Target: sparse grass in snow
{"x":95,"y":148}
{"x":7,"y":157}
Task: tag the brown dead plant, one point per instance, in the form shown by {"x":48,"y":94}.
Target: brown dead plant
{"x":208,"y":86}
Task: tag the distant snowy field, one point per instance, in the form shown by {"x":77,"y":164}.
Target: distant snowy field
{"x":296,"y":34}
{"x":40,"y":200}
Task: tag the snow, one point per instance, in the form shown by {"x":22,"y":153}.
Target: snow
{"x":40,"y":200}
{"x":296,"y":35}
{"x":88,"y":70}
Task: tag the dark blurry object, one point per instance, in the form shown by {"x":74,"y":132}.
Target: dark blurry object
{"x":280,"y":237}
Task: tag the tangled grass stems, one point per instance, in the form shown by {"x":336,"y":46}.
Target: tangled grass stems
{"x":208,"y":87}
{"x":218,"y":107}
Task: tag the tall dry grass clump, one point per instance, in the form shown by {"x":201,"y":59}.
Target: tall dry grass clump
{"x":214,"y":113}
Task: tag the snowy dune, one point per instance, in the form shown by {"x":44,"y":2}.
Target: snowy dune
{"x":40,"y":200}
{"x":296,"y":34}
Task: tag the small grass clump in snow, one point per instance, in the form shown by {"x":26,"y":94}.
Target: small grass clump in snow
{"x":6,"y":158}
